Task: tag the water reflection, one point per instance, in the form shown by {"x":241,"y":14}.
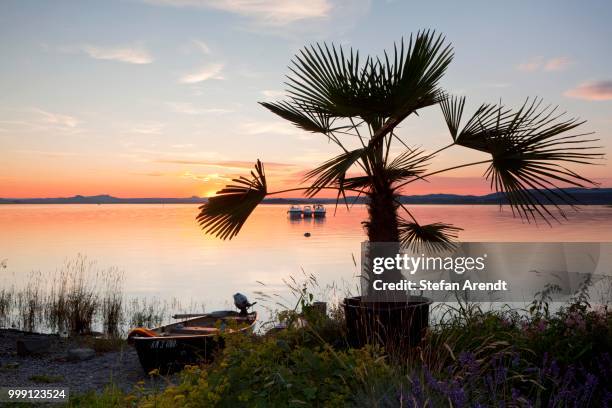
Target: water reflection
{"x":295,"y":219}
{"x":164,"y":252}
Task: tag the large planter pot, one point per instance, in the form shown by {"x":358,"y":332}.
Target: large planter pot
{"x":394,"y":325}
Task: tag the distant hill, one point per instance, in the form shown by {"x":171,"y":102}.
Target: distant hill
{"x":595,"y":196}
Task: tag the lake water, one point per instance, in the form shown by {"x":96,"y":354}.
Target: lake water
{"x":164,"y":253}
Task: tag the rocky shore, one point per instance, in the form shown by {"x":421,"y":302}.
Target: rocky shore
{"x":80,"y":363}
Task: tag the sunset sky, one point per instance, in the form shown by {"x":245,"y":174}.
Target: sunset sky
{"x":158,"y":98}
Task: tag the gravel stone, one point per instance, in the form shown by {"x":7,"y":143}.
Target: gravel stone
{"x":122,"y":367}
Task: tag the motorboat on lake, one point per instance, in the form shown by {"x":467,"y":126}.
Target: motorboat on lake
{"x":307,"y":211}
{"x":319,"y":211}
{"x":295,"y":211}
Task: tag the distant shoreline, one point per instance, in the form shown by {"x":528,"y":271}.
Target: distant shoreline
{"x":599,"y":196}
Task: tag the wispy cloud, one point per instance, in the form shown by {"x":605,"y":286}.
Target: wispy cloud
{"x":188,"y":108}
{"x":202,"y":46}
{"x":208,"y":177}
{"x":56,"y":119}
{"x":211,"y":71}
{"x":592,"y":91}
{"x":557,"y":64}
{"x":269,"y":12}
{"x":151,"y":174}
{"x":543,"y":64}
{"x":234,"y":165}
{"x":530,"y":66}
{"x":196,"y":46}
{"x":272,"y":93}
{"x":149,"y":128}
{"x":268,"y":127}
{"x":130,"y":54}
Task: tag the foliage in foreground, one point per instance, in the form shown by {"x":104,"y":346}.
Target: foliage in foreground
{"x":472,"y":358}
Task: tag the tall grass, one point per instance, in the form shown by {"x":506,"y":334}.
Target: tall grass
{"x":81,"y":297}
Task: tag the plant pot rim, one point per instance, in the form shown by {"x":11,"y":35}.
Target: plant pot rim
{"x":413,"y":301}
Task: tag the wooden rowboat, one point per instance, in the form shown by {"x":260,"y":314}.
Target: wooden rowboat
{"x":189,"y":342}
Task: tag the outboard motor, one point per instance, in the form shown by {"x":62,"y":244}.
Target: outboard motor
{"x":242,"y":303}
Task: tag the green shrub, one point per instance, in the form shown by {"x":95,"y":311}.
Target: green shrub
{"x":275,"y":371}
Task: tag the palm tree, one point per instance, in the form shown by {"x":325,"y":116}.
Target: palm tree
{"x":363,"y":102}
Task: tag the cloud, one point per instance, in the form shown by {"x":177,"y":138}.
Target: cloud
{"x":273,"y":94}
{"x":229,"y":164}
{"x":63,"y":121}
{"x":152,"y":128}
{"x":202,"y":46}
{"x":271,"y":127}
{"x":196,"y":46}
{"x":532,"y":65}
{"x":189,"y":109}
{"x":557,"y":64}
{"x":268,"y":12}
{"x":129,"y":54}
{"x":207,"y":177}
{"x":542,"y":64}
{"x":151,"y":174}
{"x":211,"y":71}
{"x":592,"y":91}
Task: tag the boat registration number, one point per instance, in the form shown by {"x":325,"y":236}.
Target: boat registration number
{"x":163,"y":344}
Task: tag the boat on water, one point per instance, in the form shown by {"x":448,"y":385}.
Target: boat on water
{"x":319,"y":211}
{"x":307,"y":211}
{"x":295,"y":211}
{"x":191,"y":341}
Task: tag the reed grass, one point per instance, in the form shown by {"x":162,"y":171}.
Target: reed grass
{"x":80,"y":297}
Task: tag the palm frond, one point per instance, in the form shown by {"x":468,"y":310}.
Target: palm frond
{"x":409,"y":164}
{"x":300,"y":116}
{"x":435,"y":237}
{"x":225,"y":214}
{"x":333,"y":82}
{"x":530,"y":149}
{"x":412,"y":81}
{"x":363,"y":182}
{"x":452,"y":109}
{"x":333,"y":172}
{"x":488,"y":121}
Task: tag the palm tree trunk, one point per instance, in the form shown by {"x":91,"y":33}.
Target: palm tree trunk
{"x":382,"y":225}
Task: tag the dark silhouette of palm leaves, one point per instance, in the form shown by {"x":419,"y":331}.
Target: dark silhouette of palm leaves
{"x":407,"y":165}
{"x":333,"y":172}
{"x":300,"y":116}
{"x":430,"y":237}
{"x":224,"y":214}
{"x":487,"y":122}
{"x":529,"y":150}
{"x":334,"y":83}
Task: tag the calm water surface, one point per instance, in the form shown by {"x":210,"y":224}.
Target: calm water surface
{"x":164,"y":253}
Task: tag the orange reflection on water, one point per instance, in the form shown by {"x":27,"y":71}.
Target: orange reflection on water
{"x":163,"y":251}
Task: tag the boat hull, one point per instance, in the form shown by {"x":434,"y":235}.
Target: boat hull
{"x":168,"y":355}
{"x":171,"y":353}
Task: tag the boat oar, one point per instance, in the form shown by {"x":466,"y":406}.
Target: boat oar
{"x":190,"y":315}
